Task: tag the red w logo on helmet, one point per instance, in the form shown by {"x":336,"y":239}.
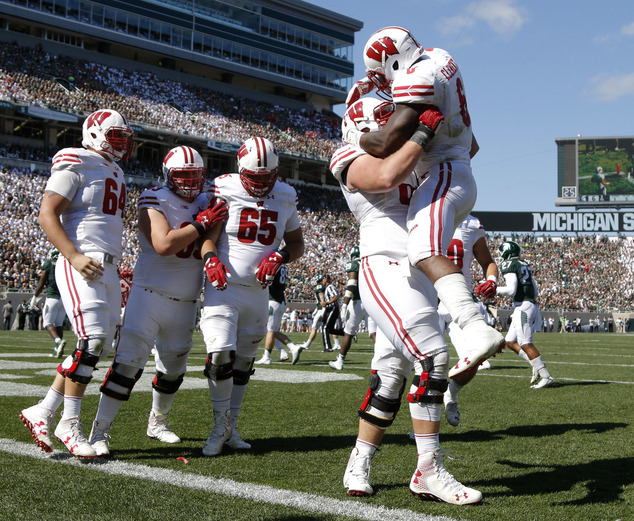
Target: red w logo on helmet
{"x":97,"y":117}
{"x":384,"y":45}
{"x":356,"y":111}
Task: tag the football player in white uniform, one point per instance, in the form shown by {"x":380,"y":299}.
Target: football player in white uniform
{"x":82,"y":216}
{"x":402,"y":302}
{"x":241,"y":262}
{"x":468,"y":242}
{"x":431,"y":108}
{"x":162,"y":305}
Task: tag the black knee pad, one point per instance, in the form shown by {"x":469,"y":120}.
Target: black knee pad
{"x":218,"y":372}
{"x":165,"y":386}
{"x":115,"y":377}
{"x":389,"y":407}
{"x":81,"y":357}
{"x":425,"y":383}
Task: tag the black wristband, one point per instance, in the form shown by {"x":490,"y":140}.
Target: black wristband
{"x":423,"y":135}
{"x":209,"y":255}
{"x":285,"y":255}
{"x":199,"y":227}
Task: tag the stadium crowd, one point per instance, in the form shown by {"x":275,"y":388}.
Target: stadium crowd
{"x":33,"y":76}
{"x":583,"y":273}
{"x":580,"y":273}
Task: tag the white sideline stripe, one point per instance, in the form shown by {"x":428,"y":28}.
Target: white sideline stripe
{"x":488,"y":373}
{"x":227,"y":487}
{"x":9,"y":386}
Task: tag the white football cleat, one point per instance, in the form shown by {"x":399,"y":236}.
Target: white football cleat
{"x":543,"y":382}
{"x":157,"y":428}
{"x":70,"y":433}
{"x":535,"y":376}
{"x":337,"y":365}
{"x":236,"y":442}
{"x":452,"y":413}
{"x":100,"y":438}
{"x":58,"y":350}
{"x":265,"y":360}
{"x":357,"y":476}
{"x":484,"y":366}
{"x":295,"y":352}
{"x":221,"y":433}
{"x":283,"y":356}
{"x":432,"y":481}
{"x":490,"y":342}
{"x":39,"y":420}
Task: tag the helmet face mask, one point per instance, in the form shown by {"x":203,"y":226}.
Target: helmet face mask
{"x":107,"y":131}
{"x":184,"y":172}
{"x":258,"y":163}
{"x":367,"y":115}
{"x":386,"y":52}
{"x":509,"y":250}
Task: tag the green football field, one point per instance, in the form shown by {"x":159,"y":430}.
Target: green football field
{"x":561,"y":453}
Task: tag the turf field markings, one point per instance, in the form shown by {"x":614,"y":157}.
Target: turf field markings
{"x":226,"y":487}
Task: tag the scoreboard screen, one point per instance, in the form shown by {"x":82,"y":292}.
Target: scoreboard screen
{"x":595,"y":171}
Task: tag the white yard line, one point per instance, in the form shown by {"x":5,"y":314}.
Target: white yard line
{"x":227,"y":487}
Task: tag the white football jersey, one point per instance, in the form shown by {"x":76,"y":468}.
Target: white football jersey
{"x":255,"y":227}
{"x":179,"y":275}
{"x":97,"y":193}
{"x":460,"y":251}
{"x":382,"y":217}
{"x":435,"y":79}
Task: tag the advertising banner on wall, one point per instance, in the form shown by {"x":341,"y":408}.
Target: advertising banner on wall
{"x":558,"y":222}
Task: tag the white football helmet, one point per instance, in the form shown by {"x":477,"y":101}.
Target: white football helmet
{"x":108,"y":131}
{"x":184,"y":172}
{"x":388,"y":51}
{"x":367,"y":115}
{"x":258,"y":164}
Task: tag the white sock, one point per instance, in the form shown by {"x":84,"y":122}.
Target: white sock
{"x":72,"y":407}
{"x":453,"y":292}
{"x":220,"y":393}
{"x":279,"y":345}
{"x":427,"y":442}
{"x":365,"y":448}
{"x":162,"y":402}
{"x":539,"y":366}
{"x":108,"y":409}
{"x":52,"y":400}
{"x":522,"y":354}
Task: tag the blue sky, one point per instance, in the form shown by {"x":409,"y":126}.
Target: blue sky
{"x":534,"y":71}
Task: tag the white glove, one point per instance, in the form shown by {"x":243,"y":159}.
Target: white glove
{"x":33,"y":302}
{"x":360,"y":88}
{"x":352,"y":136}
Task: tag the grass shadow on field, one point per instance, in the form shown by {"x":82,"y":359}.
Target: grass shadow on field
{"x":603,"y":480}
{"x":528,"y":431}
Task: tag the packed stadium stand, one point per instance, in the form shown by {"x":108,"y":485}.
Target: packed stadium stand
{"x":45,"y":94}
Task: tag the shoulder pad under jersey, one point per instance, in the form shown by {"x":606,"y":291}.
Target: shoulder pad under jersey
{"x":342,"y":158}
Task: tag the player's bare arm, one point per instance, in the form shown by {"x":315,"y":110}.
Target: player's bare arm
{"x":163,"y":239}
{"x":483,"y":256}
{"x":377,"y":175}
{"x":475,"y":147}
{"x":52,"y":207}
{"x":398,"y":129}
{"x":294,"y":244}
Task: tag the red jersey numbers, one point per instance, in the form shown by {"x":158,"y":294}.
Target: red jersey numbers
{"x":466,"y":118}
{"x":114,"y":197}
{"x":194,"y":248}
{"x":405,"y":192}
{"x":257,"y":226}
{"x":455,"y":252}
